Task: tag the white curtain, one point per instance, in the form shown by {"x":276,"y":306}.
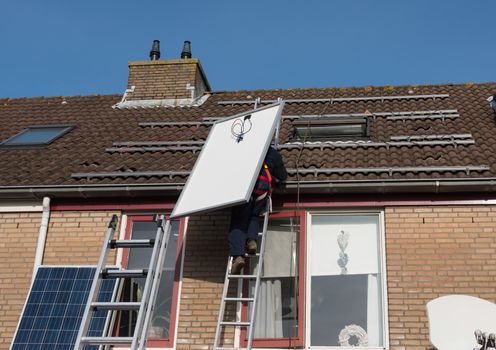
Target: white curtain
{"x":374,"y":323}
{"x":268,"y":322}
{"x":278,"y":258}
{"x":277,"y":263}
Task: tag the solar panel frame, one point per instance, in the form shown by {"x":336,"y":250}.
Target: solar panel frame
{"x":226,"y":170}
{"x":54,"y":306}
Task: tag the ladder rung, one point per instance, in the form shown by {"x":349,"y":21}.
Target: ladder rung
{"x":106,"y":340}
{"x":235,"y":324}
{"x":242,"y":276}
{"x":239,"y":299}
{"x":116,"y":306}
{"x":106,"y":273}
{"x":133,"y":243}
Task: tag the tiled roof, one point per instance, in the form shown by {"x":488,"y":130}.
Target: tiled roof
{"x":416,"y":132}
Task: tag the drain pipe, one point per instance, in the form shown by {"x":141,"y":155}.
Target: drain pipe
{"x":42,"y":234}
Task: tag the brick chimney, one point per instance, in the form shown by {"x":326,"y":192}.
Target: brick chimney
{"x":168,"y":83}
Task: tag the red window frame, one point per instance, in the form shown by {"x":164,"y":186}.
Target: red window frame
{"x":299,"y":340}
{"x":160,"y":342}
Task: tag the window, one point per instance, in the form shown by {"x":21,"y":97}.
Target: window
{"x":161,"y":329}
{"x":38,"y":135}
{"x":330,"y":128}
{"x":279,"y":320}
{"x":345,"y":286}
{"x":323,"y":283}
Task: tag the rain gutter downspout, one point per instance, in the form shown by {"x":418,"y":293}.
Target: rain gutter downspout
{"x":42,"y":234}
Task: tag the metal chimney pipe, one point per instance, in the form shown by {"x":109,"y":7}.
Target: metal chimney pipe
{"x":155,"y":51}
{"x":186,"y":50}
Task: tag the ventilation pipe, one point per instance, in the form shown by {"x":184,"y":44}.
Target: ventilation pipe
{"x":186,"y":50}
{"x":492,"y":102}
{"x":155,"y":51}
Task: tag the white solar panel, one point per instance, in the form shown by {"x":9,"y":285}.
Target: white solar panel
{"x":454,"y":318}
{"x":227,"y":167}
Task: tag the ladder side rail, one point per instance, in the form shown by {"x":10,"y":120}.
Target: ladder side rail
{"x":146,"y":290}
{"x":95,"y":285}
{"x":220,"y":317}
{"x":258,"y":274}
{"x":166,"y":231}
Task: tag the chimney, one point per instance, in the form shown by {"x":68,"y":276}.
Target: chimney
{"x":169,"y":82}
{"x":155,"y":52}
{"x":186,"y":50}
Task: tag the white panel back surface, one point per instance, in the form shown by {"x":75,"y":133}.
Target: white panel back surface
{"x":454,"y":318}
{"x":226,"y":170}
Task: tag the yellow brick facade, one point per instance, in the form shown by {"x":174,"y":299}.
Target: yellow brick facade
{"x":18,"y":240}
{"x":434,"y":251}
{"x":430,"y":251}
{"x":204,"y":268}
{"x":75,"y":237}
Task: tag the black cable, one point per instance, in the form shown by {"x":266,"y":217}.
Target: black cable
{"x":238,"y":127}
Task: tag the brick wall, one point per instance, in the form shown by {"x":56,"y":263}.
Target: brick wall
{"x":431,"y":251}
{"x":76,"y":237}
{"x":18,"y":240}
{"x":164,"y":79}
{"x":434,"y":251}
{"x":203,"y":279}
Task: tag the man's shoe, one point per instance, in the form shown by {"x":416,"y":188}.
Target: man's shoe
{"x":237,"y":265}
{"x":251,"y":247}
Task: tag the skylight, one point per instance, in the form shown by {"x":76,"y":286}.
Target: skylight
{"x":38,"y":135}
{"x":324,"y":129}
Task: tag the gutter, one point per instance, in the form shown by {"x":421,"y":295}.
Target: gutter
{"x":331,"y":187}
{"x":396,"y":186}
{"x":89,"y":191}
{"x":42,"y":234}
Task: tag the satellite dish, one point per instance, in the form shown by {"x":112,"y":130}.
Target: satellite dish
{"x":454,"y":318}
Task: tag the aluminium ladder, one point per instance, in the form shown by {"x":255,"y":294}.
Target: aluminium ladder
{"x":150,"y":290}
{"x":249,"y":324}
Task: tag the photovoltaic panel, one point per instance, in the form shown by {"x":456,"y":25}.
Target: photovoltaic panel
{"x":227,"y":168}
{"x":55,"y":306}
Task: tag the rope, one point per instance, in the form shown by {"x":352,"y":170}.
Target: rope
{"x":298,"y":209}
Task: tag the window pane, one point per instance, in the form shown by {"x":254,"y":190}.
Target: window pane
{"x":36,"y":135}
{"x":277,"y":305}
{"x":140,"y":258}
{"x":346,"y":296}
{"x":322,"y":129}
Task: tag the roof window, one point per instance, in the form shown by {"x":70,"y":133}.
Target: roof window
{"x":38,"y":135}
{"x":328,"y":128}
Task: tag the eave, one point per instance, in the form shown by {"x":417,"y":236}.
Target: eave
{"x":414,"y":186}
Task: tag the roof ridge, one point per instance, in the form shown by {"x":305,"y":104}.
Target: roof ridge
{"x":58,"y":97}
{"x":364,"y":87}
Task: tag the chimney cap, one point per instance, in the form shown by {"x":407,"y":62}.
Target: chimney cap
{"x":186,"y":53}
{"x":155,"y":51}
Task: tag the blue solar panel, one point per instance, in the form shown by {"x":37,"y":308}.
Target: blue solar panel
{"x":55,"y":306}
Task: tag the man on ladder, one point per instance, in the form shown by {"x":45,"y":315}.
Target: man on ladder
{"x":245,"y":218}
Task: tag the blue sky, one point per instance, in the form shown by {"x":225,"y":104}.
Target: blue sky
{"x":54,"y":48}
